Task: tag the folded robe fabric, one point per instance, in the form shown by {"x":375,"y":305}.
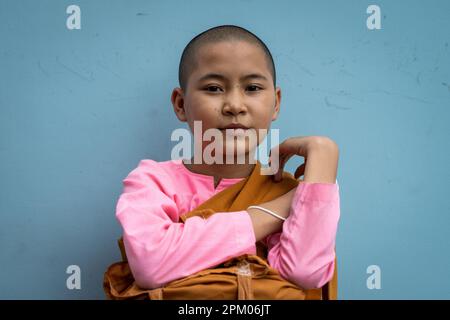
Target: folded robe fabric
{"x":246,"y":277}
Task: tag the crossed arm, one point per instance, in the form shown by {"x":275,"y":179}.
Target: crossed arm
{"x":159,"y":249}
{"x":304,"y":250}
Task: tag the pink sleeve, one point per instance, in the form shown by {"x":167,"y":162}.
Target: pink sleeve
{"x":304,"y":251}
{"x":159,"y":249}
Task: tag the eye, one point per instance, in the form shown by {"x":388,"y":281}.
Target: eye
{"x":212,"y":88}
{"x":254,"y":88}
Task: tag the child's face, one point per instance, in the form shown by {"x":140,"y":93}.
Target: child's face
{"x":229,"y":96}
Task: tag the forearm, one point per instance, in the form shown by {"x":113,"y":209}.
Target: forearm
{"x":264,"y":223}
{"x":304,"y":251}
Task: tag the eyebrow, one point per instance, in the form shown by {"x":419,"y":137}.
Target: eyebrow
{"x":222,"y":77}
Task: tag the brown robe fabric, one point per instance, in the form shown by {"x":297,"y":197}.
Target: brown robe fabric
{"x":246,"y":277}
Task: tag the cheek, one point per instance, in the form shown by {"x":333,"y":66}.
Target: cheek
{"x":263,"y":117}
{"x":204,"y":103}
{"x":207,"y":114}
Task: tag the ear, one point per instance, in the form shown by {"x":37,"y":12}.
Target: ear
{"x":276,"y":107}
{"x":177,"y":99}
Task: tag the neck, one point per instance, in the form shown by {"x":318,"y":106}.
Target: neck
{"x":219,"y":171}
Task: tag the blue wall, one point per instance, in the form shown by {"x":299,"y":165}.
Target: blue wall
{"x":80,"y":108}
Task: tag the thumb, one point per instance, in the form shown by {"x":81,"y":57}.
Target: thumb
{"x":300,"y":171}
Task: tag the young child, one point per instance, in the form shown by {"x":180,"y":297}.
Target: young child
{"x":227,"y":80}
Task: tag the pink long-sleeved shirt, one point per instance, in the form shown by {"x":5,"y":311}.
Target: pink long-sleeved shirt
{"x":160,"y":249}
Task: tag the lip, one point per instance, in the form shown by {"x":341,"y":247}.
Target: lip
{"x":235,"y":126}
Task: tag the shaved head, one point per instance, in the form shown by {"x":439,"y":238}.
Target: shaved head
{"x":217,"y":34}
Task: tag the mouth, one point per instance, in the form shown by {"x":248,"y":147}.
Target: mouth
{"x":235,"y":130}
{"x":235,"y":126}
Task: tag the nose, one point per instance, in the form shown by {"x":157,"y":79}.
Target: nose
{"x":234,"y":103}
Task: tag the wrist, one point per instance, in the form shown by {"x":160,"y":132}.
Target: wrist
{"x":263,"y":223}
{"x":321,"y":144}
{"x":321,"y":163}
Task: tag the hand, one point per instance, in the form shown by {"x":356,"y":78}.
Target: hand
{"x":321,"y":158}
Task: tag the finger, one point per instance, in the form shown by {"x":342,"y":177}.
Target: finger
{"x":283,"y":162}
{"x":272,"y":159}
{"x":289,"y":145}
{"x":283,"y":151}
{"x":271,"y":155}
{"x":279,"y":150}
{"x":280,"y":168}
{"x":300,"y":171}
